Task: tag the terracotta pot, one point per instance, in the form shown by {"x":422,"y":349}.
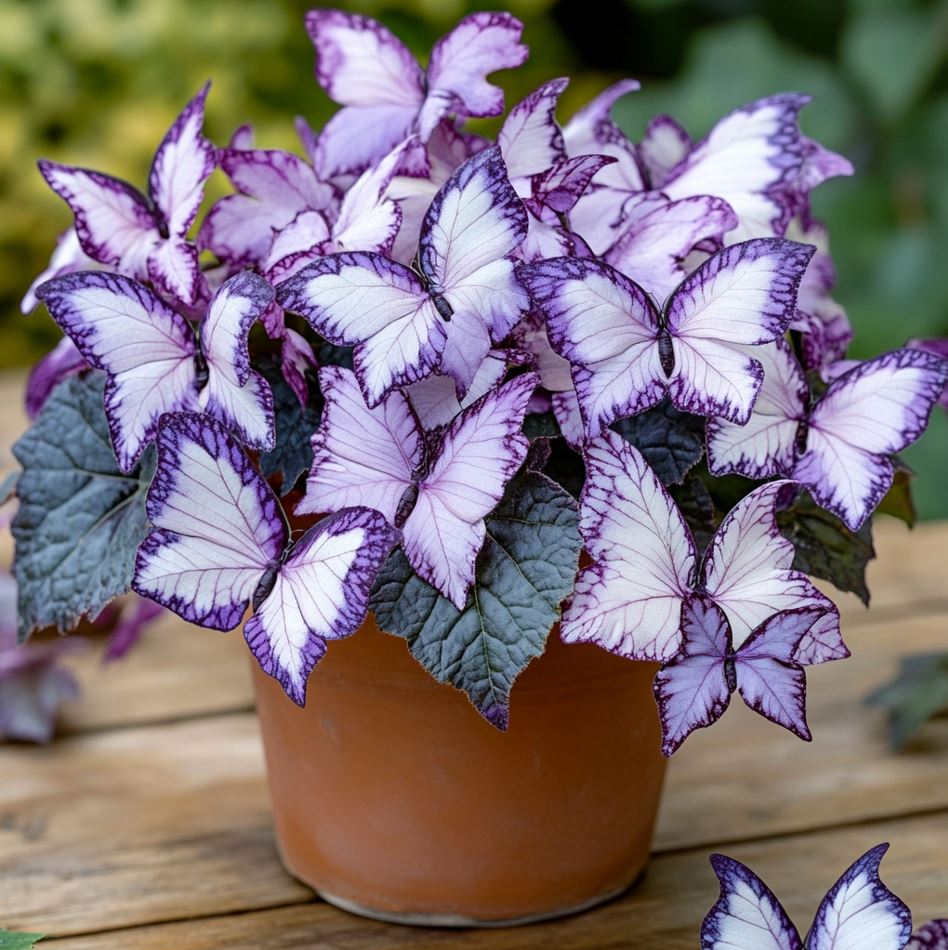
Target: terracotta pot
{"x":394,"y":799}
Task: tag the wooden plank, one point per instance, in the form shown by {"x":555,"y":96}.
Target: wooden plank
{"x":910,"y":574}
{"x":747,"y":778}
{"x":665,"y":910}
{"x":176,"y":671}
{"x":138,"y":825}
{"x":177,"y":815}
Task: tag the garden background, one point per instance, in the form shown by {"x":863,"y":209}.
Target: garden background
{"x":97,"y":82}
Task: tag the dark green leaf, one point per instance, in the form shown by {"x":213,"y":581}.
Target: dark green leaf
{"x":565,"y":467}
{"x":525,"y":569}
{"x":898,"y":499}
{"x":292,"y":455}
{"x":671,"y":441}
{"x":328,"y":354}
{"x":19,"y":941}
{"x":80,"y":520}
{"x":540,"y":425}
{"x":695,"y":503}
{"x":918,"y":692}
{"x":826,"y":548}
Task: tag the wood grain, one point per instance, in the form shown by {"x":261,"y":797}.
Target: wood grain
{"x":176,"y":671}
{"x":664,"y":911}
{"x":177,"y":816}
{"x":152,"y":808}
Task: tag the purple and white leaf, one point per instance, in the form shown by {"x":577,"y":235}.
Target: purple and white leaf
{"x":825,"y":328}
{"x":146,"y":348}
{"x":592,"y":131}
{"x":217,"y":526}
{"x":61,"y":362}
{"x":611,"y":333}
{"x":664,"y":145}
{"x":273,"y":187}
{"x":747,"y":915}
{"x":530,"y":139}
{"x":66,"y":259}
{"x":743,"y":296}
{"x":369,"y":71}
{"x":769,"y":677}
{"x":376,"y":305}
{"x":404,"y":327}
{"x":479,"y":452}
{"x":361,"y":456}
{"x":629,"y":600}
{"x":747,"y":570}
{"x":930,"y":936}
{"x":658,"y":235}
{"x":113,"y":222}
{"x":461,"y":61}
{"x":386,"y":95}
{"x":692,"y":691}
{"x":235,"y":394}
{"x":865,"y":416}
{"x":607,"y":328}
{"x":859,"y":911}
{"x":320,"y":593}
{"x":555,"y":192}
{"x":434,"y":398}
{"x":763,"y":140}
{"x":765,"y":445}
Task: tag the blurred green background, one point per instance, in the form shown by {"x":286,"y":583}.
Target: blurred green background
{"x":96,"y":83}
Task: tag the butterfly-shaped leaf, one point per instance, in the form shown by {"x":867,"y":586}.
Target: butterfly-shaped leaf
{"x":146,"y":237}
{"x":367,"y":220}
{"x":754,"y":159}
{"x":68,"y":257}
{"x":156,"y":363}
{"x":219,"y":543}
{"x":694,"y":689}
{"x":379,"y":457}
{"x":657,"y":235}
{"x":434,"y":398}
{"x":839,"y":448}
{"x":626,"y":355}
{"x":386,"y":95}
{"x":273,"y":188}
{"x":645,"y":565}
{"x":465,"y":295}
{"x":858,"y":913}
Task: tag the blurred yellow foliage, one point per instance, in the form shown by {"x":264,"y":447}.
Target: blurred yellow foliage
{"x":97,"y":82}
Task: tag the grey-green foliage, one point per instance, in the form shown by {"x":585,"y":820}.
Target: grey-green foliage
{"x":917,"y":693}
{"x":80,"y":520}
{"x":672,"y":442}
{"x":525,"y":570}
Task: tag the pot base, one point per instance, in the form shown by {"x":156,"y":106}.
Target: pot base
{"x":457,"y":921}
{"x":393,"y":798}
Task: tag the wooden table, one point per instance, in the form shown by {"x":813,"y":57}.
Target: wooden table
{"x":145,"y":826}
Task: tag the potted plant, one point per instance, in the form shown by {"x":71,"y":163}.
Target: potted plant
{"x":429,"y":410}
